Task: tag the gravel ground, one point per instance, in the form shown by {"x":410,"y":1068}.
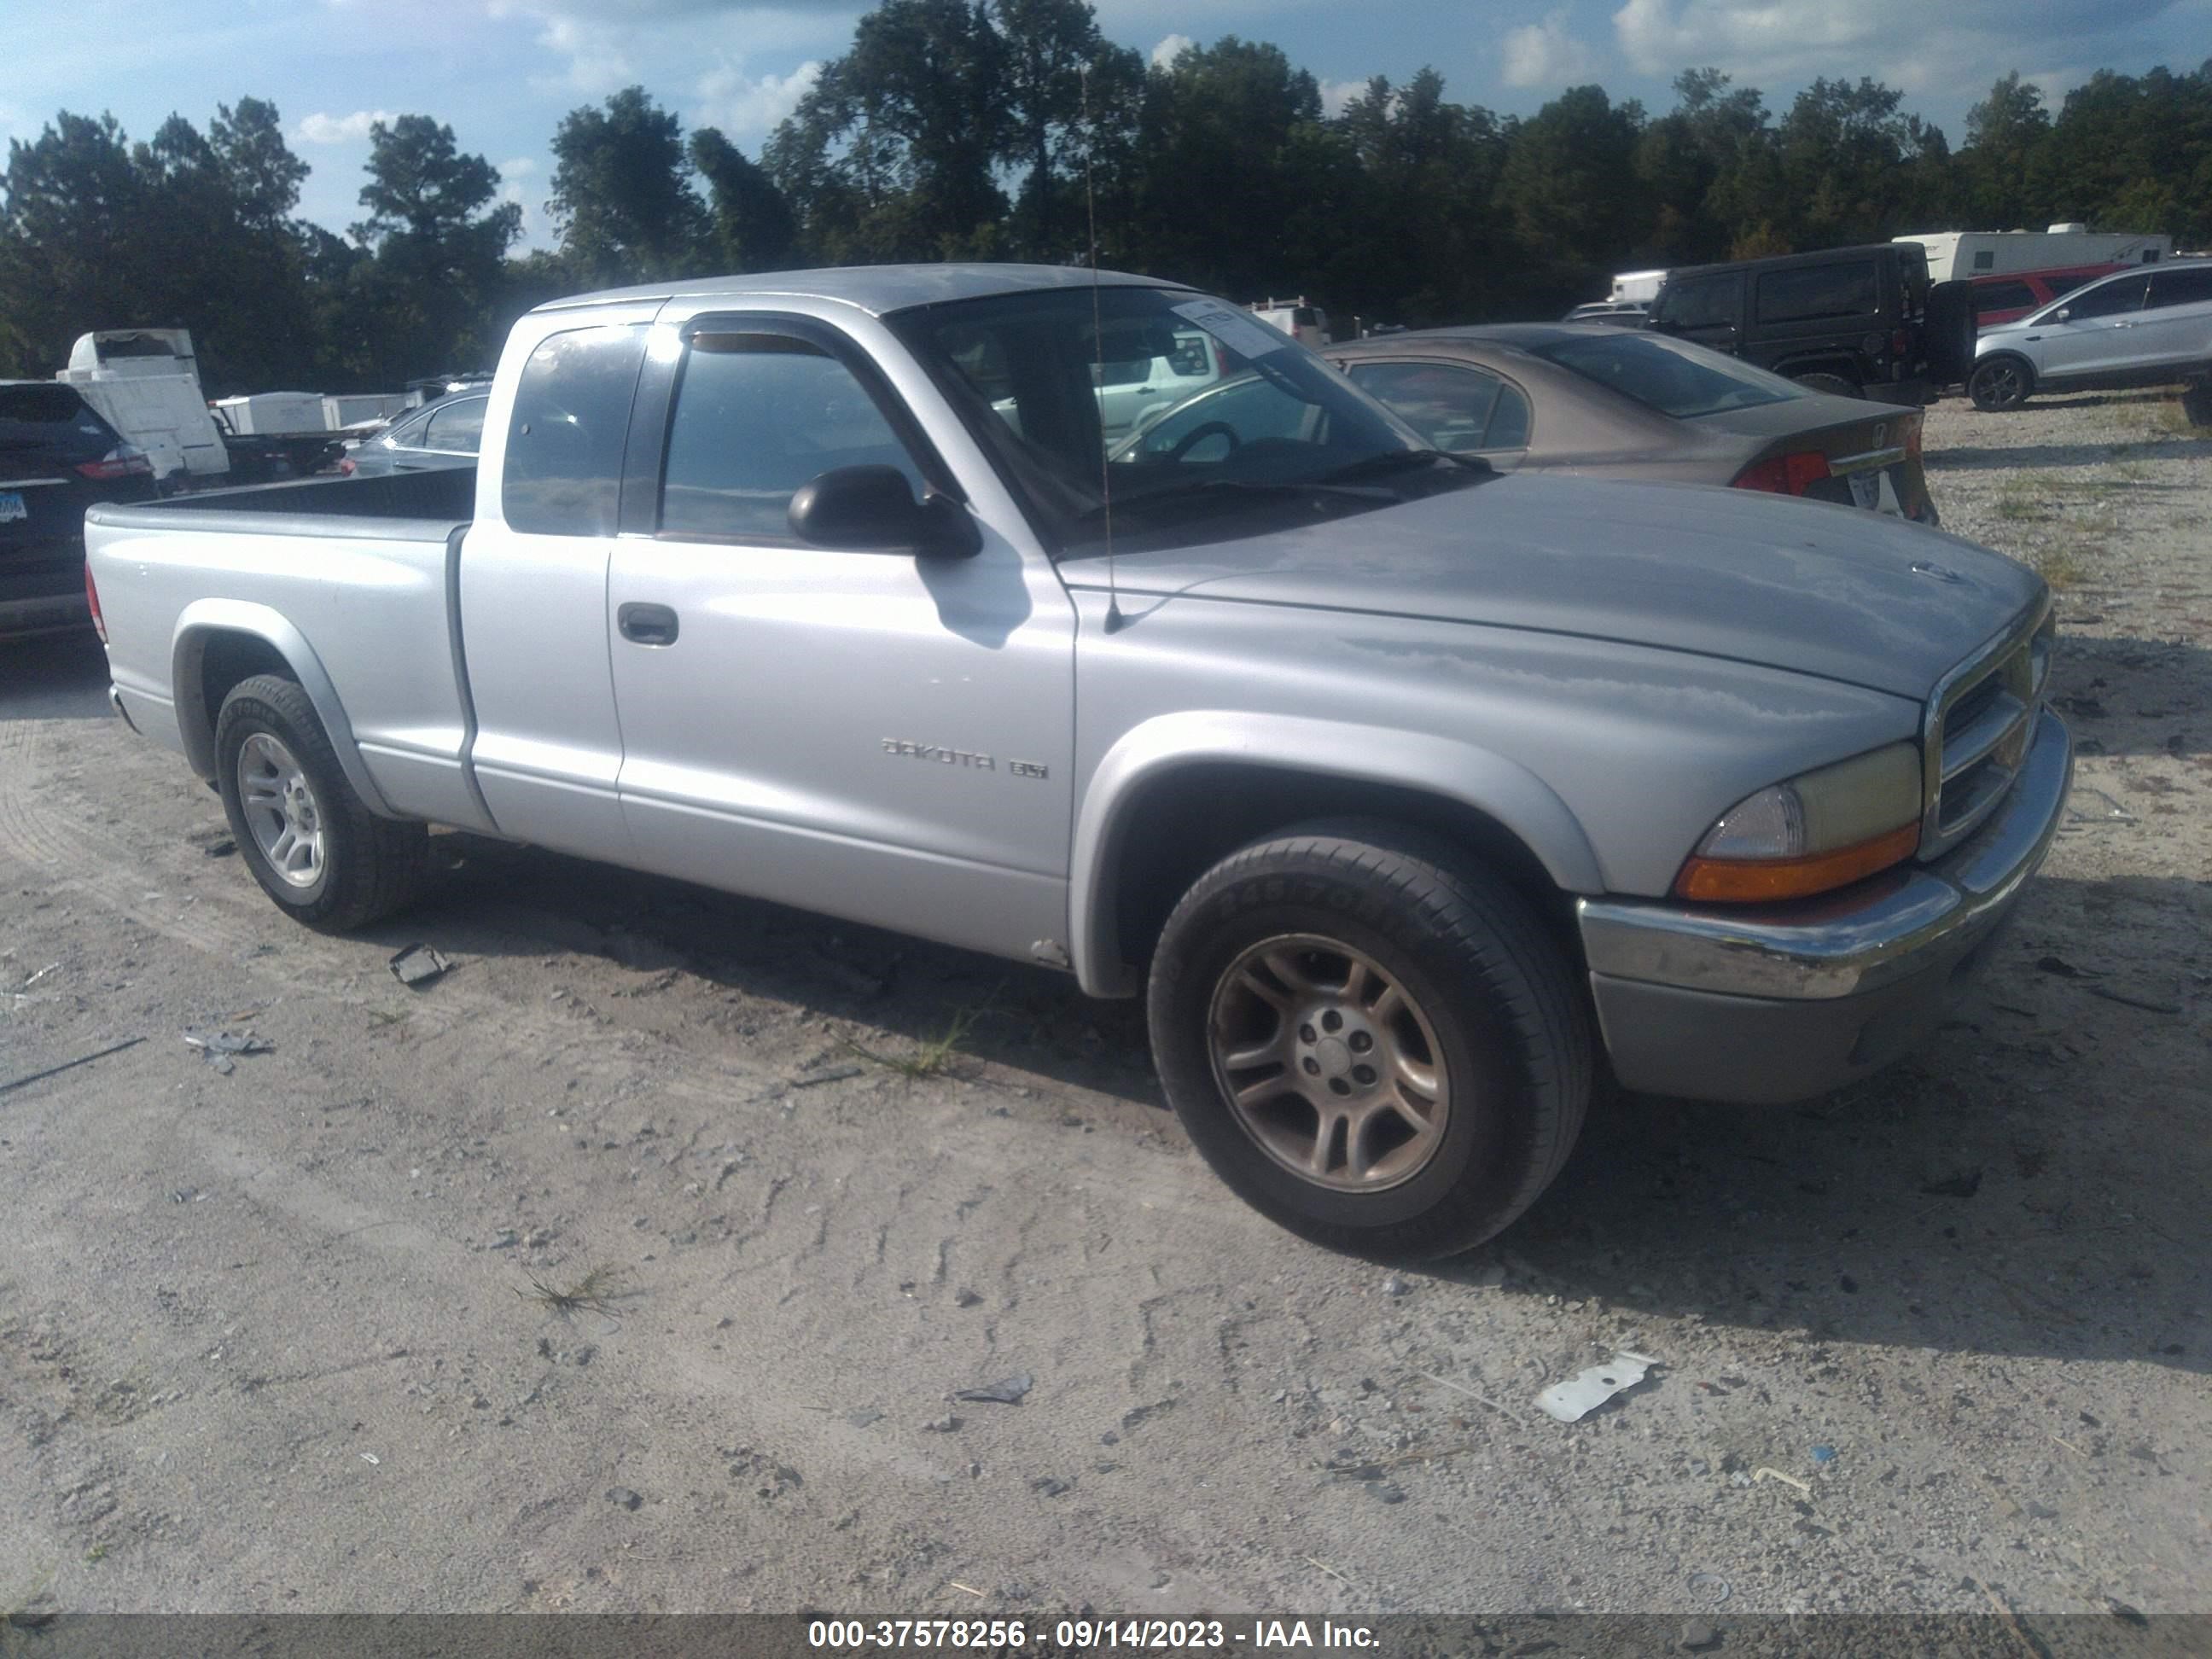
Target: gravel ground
{"x":281,"y":1338}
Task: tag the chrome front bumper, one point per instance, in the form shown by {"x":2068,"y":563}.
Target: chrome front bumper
{"x":1777,"y":1002}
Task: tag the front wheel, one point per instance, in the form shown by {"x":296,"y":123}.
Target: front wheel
{"x":1370,"y":1039}
{"x":1999,"y":384}
{"x":309,"y":839}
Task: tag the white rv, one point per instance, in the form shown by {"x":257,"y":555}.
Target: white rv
{"x":1954,"y":254}
{"x":145,"y":383}
{"x":1306,"y":324}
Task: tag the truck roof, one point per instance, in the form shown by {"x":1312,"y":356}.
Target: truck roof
{"x":875,"y":289}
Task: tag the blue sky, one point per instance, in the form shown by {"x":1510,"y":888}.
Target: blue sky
{"x":502,"y":72}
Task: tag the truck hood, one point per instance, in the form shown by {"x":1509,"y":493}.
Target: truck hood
{"x":1803,"y":586}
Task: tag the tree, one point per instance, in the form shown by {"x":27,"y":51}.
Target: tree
{"x":1569,"y":184}
{"x":1999,"y":181}
{"x":1855,"y":169}
{"x":1223,"y":168}
{"x":622,"y":193}
{"x":1064,"y":83}
{"x":439,"y":243}
{"x":895,"y":144}
{"x":750,"y":225}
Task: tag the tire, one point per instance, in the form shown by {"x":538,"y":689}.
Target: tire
{"x":1948,"y":335}
{"x":309,"y":839}
{"x":1999,"y":383}
{"x":1834,"y":384}
{"x":1324,"y":922}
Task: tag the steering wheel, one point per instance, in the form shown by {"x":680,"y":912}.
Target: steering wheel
{"x":1210,"y":430}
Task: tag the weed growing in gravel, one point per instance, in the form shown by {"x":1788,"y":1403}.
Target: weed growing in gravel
{"x":2018,"y":502}
{"x":933,"y":1058}
{"x":597,"y":1291}
{"x":2058,"y":567}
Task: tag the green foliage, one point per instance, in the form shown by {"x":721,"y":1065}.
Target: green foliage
{"x":622,"y":194}
{"x":1012,"y":128}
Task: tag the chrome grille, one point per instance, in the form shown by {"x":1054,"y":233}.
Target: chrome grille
{"x":1978,"y":726}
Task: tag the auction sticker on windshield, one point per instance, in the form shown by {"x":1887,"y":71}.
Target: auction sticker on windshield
{"x":1240,"y":333}
{"x":12,"y":505}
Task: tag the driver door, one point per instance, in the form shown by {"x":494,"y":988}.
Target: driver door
{"x":881,"y":736}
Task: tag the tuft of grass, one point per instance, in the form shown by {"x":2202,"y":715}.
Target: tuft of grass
{"x":2058,"y":567}
{"x":933,"y":1058}
{"x":599,"y":1290}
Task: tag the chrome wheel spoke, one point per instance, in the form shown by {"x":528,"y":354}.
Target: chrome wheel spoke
{"x":280,"y":809}
{"x":1334,"y":1126}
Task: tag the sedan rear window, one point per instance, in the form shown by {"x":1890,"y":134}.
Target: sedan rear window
{"x":1682,"y":380}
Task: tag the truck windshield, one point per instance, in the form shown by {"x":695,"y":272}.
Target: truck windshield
{"x":1682,"y":380}
{"x":1258,"y":428}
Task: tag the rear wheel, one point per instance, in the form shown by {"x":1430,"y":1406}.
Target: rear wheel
{"x":309,"y":839}
{"x":1834,"y":384}
{"x":1999,"y":384}
{"x":1372,"y":1041}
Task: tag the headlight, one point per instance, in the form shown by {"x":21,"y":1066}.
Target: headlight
{"x":1811,"y":833}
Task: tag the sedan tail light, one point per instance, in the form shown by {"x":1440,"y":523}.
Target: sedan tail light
{"x":1912,"y":440}
{"x":1784,"y":475}
{"x":125,"y":461}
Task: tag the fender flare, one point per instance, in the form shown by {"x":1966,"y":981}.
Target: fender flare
{"x":200,"y":622}
{"x":1501,"y":789}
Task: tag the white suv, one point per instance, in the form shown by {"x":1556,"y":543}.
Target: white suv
{"x":2147,"y":326}
{"x":1132,"y":395}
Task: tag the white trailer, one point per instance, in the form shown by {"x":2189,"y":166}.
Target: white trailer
{"x":145,"y":383}
{"x":1965,"y":253}
{"x":263,"y":414}
{"x":1637,"y":287}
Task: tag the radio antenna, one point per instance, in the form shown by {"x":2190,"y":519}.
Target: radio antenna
{"x":1114,"y":617}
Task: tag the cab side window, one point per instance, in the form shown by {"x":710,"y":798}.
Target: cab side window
{"x":562,"y":471}
{"x":755,"y":417}
{"x":1703,"y":302}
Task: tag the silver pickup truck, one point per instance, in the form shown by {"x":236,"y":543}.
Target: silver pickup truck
{"x":1421,"y":800}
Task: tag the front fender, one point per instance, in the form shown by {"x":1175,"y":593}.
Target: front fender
{"x":203,"y":619}
{"x":1501,"y":789}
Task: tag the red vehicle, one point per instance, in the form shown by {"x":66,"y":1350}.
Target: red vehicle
{"x":2009,"y":297}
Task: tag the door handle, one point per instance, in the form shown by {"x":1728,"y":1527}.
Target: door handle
{"x":647,"y":625}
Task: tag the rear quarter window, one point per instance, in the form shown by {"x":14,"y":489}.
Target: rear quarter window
{"x":562,"y":472}
{"x":1812,"y":293}
{"x":51,"y":415}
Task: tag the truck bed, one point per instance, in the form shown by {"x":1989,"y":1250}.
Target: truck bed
{"x":348,"y":580}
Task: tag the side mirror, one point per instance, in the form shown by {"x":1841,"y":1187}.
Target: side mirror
{"x":2062,"y":314}
{"x":872,"y":509}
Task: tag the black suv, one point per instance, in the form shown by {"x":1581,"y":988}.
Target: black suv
{"x":1862,"y":321}
{"x":57,"y":458}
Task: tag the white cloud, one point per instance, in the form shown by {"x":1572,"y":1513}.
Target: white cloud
{"x":1335,"y":94}
{"x":749,"y":105}
{"x":1545,"y":55}
{"x":516,"y":168}
{"x":1171,"y":49}
{"x":1902,"y":42}
{"x":322,"y":129}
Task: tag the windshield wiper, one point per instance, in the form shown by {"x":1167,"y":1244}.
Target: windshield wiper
{"x":1400,"y":460}
{"x":1200,"y":488}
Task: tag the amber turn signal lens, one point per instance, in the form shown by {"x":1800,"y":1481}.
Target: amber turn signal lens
{"x":1758,"y":881}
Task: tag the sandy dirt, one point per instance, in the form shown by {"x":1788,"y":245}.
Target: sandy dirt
{"x":278,"y":1339}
